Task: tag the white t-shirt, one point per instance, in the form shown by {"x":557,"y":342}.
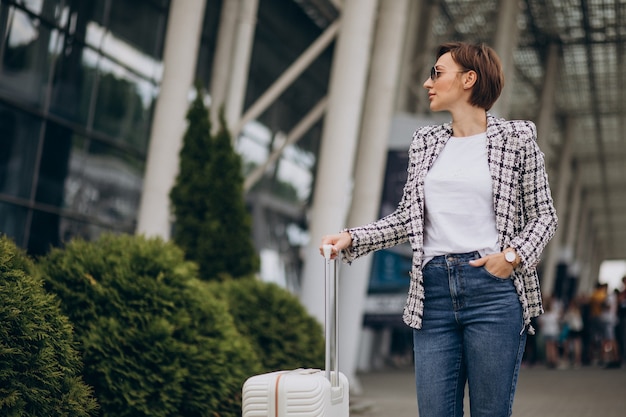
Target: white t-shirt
{"x":459,"y":200}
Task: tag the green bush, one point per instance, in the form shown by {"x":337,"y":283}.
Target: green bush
{"x":155,"y":341}
{"x":281,"y":331}
{"x":39,"y":365}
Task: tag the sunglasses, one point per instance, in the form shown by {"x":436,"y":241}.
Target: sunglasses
{"x":434,"y":73}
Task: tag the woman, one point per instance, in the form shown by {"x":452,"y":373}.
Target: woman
{"x":477,"y":212}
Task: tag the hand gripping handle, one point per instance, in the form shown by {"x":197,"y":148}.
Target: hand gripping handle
{"x":331,"y":327}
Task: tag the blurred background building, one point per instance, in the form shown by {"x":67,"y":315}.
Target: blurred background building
{"x":322,"y":97}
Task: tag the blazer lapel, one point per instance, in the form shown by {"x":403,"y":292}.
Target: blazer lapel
{"x":435,"y":141}
{"x":500,"y":154}
{"x":438,"y":141}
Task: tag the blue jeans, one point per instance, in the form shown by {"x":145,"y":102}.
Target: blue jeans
{"x":472,"y":333}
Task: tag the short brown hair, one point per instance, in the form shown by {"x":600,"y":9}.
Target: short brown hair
{"x":485,"y":62}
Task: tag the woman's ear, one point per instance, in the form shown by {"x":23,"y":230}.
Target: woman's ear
{"x":469,"y":79}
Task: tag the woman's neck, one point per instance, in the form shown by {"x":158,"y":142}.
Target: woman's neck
{"x":468,"y":122}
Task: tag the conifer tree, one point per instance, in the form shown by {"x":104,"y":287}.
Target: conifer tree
{"x":188,"y":196}
{"x":227,"y":235}
{"x":212,"y":223}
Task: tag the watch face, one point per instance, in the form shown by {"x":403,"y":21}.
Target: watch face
{"x":509,"y":256}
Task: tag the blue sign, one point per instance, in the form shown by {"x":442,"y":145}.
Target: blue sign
{"x":390,"y":272}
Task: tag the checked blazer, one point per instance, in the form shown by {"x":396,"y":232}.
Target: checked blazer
{"x":525,"y":216}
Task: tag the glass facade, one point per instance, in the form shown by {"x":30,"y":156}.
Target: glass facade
{"x":78,"y":83}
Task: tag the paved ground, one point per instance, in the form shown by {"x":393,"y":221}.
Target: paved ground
{"x":586,"y":392}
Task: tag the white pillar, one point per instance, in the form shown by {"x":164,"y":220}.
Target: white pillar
{"x":571,"y":229}
{"x":583,"y":252}
{"x":184,"y":27}
{"x":573,"y":218}
{"x":240,"y":64}
{"x":223,"y":58}
{"x":505,"y":42}
{"x":545,"y":115}
{"x":560,"y":193}
{"x":368,"y":341}
{"x":370,"y":171}
{"x":579,"y":245}
{"x":339,"y":139}
{"x":545,"y":120}
{"x":417,"y":55}
{"x":594,"y":264}
{"x":384,"y":347}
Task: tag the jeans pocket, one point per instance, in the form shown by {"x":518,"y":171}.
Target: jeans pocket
{"x":496,"y":277}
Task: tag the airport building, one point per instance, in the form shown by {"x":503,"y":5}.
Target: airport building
{"x":322,"y":97}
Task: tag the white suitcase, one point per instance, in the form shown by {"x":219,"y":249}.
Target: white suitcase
{"x":304,"y":392}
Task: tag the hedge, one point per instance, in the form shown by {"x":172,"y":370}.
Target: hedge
{"x":40,"y":368}
{"x":283,"y":334}
{"x":155,"y":341}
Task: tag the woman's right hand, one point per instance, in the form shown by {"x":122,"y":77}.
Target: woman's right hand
{"x":339,"y":241}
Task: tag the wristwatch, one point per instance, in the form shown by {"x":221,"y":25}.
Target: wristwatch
{"x":511,"y":256}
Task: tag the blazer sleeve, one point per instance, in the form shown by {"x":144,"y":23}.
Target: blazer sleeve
{"x":537,"y":208}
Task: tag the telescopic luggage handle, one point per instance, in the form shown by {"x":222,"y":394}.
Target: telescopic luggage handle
{"x":331,"y":328}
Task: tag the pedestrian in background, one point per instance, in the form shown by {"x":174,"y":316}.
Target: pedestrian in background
{"x":621,"y":315}
{"x":597,"y":302}
{"x":573,"y":345}
{"x":477,"y":211}
{"x":608,"y":318}
{"x":549,"y":331}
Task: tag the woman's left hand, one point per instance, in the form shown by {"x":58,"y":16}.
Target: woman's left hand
{"x":495,"y":264}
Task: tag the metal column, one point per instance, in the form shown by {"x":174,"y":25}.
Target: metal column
{"x":184,"y":27}
{"x":332,"y":192}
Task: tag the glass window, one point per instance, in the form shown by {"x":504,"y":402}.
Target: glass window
{"x":44,"y":232}
{"x":72,"y":86}
{"x":44,"y":8}
{"x":295,"y":173}
{"x":164,"y":4}
{"x":26,"y":56}
{"x":79,"y":195}
{"x":76,"y":18}
{"x":113,"y":180}
{"x":54,"y":165}
{"x":140,"y":24}
{"x":124,"y":104}
{"x":132,"y":58}
{"x":70,"y":228}
{"x":87,"y":21}
{"x":12,"y":222}
{"x":89,"y":178}
{"x":19,"y":136}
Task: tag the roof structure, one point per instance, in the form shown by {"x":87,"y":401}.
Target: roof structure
{"x":589,"y":95}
